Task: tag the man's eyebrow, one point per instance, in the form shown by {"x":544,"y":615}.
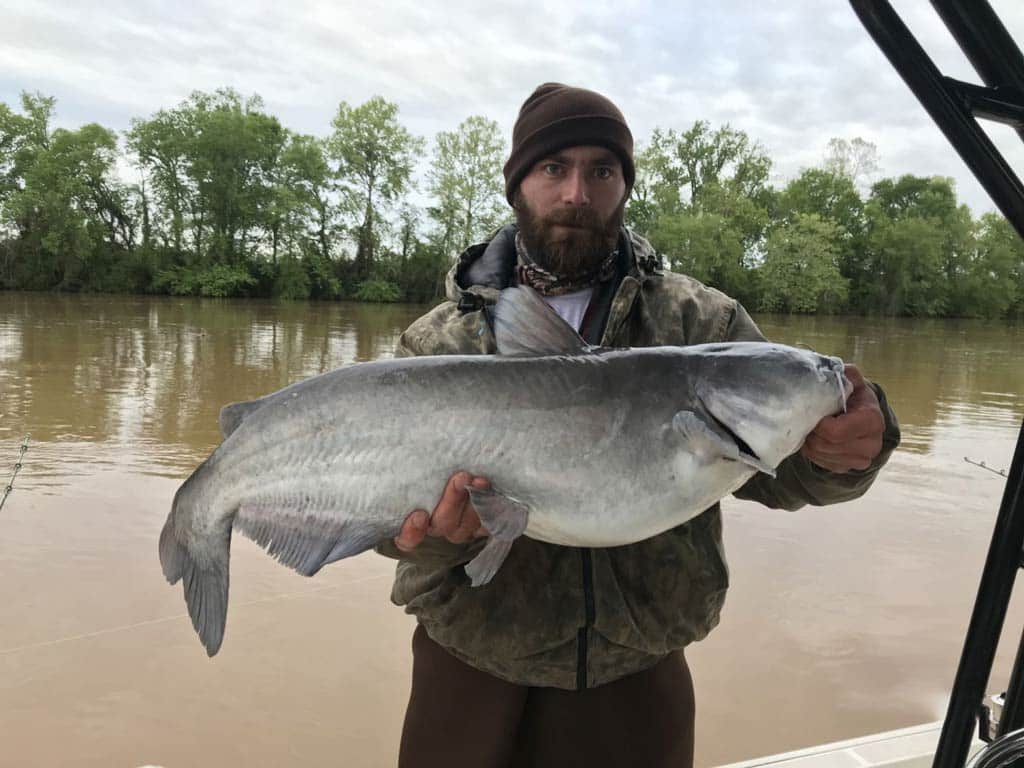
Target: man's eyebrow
{"x":606,"y":158}
{"x":556,"y":158}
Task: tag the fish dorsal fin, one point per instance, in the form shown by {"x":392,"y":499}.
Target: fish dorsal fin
{"x":233,"y":414}
{"x":525,"y":326}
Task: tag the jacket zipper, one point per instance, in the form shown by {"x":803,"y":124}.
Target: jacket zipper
{"x":597,"y":335}
{"x":589,"y":615}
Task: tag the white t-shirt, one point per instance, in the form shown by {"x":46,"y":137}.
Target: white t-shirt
{"x":571,"y":307}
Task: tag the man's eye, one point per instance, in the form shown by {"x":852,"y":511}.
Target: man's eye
{"x":604,"y":172}
{"x":552,"y":169}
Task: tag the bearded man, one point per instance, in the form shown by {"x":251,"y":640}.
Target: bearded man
{"x":574,"y":656}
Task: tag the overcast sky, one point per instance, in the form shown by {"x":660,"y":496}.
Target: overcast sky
{"x":791,"y":73}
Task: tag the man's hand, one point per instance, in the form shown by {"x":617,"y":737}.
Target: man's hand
{"x":852,"y":439}
{"x":453,"y":518}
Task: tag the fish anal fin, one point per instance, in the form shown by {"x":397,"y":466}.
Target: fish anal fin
{"x":525,"y":326}
{"x":306,"y":540}
{"x":505,"y":519}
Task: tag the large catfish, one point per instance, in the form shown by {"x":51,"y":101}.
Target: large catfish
{"x":583,"y":446}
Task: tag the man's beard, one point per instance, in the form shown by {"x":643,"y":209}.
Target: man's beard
{"x":568,"y":252}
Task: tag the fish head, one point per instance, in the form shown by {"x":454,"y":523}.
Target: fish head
{"x":768,"y":397}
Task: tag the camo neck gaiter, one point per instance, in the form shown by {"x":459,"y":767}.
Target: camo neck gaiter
{"x":549,"y":284}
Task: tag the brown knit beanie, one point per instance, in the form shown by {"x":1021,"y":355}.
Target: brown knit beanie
{"x":557,"y":116}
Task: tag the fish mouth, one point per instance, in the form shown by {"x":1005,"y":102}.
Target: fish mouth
{"x":744,"y":448}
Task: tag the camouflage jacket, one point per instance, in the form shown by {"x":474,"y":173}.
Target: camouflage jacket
{"x":577,"y":617}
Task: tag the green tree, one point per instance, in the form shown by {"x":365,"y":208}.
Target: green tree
{"x":833,"y":197}
{"x":800,"y":272}
{"x":467,"y":182}
{"x":703,"y":199}
{"x":236,"y":150}
{"x":375,"y":156}
{"x":215,"y":163}
{"x":993,"y":280}
{"x":161,"y":145}
{"x":918,"y":244}
{"x":59,"y":196}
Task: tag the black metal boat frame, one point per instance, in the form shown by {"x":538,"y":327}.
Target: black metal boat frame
{"x":955,"y":106}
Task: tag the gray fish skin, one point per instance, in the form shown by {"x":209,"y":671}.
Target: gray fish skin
{"x":593,"y":448}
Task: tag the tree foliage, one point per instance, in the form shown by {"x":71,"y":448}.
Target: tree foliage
{"x":800,"y":273}
{"x":465,"y":180}
{"x":702,"y":197}
{"x":375,"y":155}
{"x":225,"y":201}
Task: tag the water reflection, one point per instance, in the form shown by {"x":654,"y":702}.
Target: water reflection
{"x":144,"y":378}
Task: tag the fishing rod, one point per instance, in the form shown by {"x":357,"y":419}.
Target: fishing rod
{"x":983,"y":465}
{"x":17,"y":468}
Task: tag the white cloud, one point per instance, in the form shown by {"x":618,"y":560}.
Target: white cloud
{"x":791,"y":74}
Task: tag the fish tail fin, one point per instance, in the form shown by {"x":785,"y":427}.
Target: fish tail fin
{"x":204,"y":579}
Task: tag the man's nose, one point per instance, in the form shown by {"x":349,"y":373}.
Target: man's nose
{"x":575,"y":189}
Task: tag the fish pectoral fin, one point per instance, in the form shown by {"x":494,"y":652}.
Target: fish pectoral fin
{"x":525,"y":326}
{"x":704,"y":439}
{"x":756,"y":463}
{"x":701,"y":437}
{"x":505,"y":519}
{"x":481,"y":569}
{"x":305,"y":540}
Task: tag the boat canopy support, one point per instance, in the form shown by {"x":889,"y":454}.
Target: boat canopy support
{"x":956,"y":106}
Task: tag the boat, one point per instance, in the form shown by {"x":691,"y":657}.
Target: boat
{"x":978,"y":731}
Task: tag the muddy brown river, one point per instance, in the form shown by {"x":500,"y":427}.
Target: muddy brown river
{"x":841,"y":621}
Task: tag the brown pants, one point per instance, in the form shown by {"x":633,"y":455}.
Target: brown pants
{"x":460,"y":716}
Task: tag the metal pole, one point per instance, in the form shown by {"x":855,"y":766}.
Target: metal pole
{"x":986,"y":621}
{"x":1012,"y":716}
{"x":945,"y":106}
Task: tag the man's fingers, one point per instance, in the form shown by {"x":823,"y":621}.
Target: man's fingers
{"x":447,"y":514}
{"x":453,"y":518}
{"x":865,"y":446}
{"x":856,"y":455}
{"x":470,"y":523}
{"x":852,"y":372}
{"x":413,"y":530}
{"x":863,"y":418}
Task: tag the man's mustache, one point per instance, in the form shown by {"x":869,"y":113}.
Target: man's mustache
{"x":586,"y":218}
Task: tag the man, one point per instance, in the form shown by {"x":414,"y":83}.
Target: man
{"x":574,"y":656}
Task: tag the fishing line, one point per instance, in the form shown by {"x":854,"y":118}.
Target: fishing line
{"x":165,"y":619}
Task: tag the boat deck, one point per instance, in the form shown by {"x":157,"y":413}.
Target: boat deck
{"x":904,"y":748}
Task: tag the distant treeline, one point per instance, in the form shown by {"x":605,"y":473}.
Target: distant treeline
{"x":228,"y":202}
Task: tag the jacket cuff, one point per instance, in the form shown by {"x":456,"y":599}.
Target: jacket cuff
{"x":433,"y":552}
